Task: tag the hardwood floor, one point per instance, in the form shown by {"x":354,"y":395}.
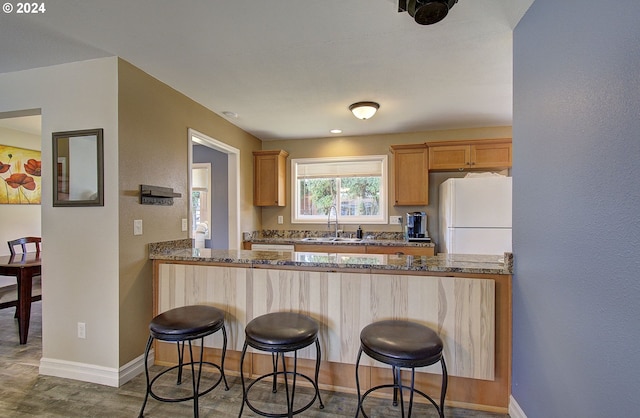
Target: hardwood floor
{"x":24,"y":393}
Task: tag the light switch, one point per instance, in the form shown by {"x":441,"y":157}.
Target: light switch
{"x":185,"y":225}
{"x":137,"y":227}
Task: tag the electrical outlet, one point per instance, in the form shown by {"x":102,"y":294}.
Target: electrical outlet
{"x":395,"y":220}
{"x":137,"y":227}
{"x":82,"y":330}
{"x":280,"y":219}
{"x":185,"y":225}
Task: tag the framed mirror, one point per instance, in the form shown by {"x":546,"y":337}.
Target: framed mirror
{"x":78,"y":168}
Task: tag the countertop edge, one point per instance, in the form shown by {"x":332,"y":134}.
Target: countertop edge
{"x":183,"y":251}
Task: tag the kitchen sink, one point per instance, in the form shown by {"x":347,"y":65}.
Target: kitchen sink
{"x":315,"y":239}
{"x":330,"y":239}
{"x":347,"y":239}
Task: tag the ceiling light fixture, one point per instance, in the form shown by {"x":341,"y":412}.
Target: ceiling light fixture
{"x":364,"y":110}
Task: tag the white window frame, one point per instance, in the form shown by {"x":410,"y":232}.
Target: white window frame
{"x":381,"y":218}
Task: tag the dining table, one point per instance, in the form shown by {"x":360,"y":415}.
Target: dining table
{"x":24,"y":267}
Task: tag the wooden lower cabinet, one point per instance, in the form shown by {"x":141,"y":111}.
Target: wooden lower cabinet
{"x":366,"y":249}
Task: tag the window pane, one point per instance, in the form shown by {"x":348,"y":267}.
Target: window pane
{"x":360,"y":196}
{"x":355,"y":185}
{"x":316,"y":196}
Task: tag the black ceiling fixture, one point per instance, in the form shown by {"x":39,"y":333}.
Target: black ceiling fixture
{"x":426,"y":12}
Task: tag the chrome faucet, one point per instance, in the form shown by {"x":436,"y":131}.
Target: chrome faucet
{"x":335,"y":210}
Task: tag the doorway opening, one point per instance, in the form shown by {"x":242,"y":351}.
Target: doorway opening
{"x":221,"y":224}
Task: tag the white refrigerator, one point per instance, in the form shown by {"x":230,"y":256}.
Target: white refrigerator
{"x":475,"y":215}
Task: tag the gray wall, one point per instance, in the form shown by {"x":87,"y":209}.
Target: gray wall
{"x":219,"y":197}
{"x":576,"y":307}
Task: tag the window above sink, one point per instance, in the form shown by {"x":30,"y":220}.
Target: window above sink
{"x":356,"y":186}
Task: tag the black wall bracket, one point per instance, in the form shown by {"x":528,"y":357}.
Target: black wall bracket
{"x":155,"y":195}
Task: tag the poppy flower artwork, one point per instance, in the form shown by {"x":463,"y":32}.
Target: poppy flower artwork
{"x":20,"y":171}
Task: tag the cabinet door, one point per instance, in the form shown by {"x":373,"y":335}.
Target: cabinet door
{"x":491,"y":156}
{"x":411,"y":178}
{"x":449,"y":157}
{"x":269,"y":178}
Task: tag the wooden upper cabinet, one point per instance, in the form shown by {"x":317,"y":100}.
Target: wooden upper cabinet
{"x":411,"y":174}
{"x":269,"y":177}
{"x":483,"y":154}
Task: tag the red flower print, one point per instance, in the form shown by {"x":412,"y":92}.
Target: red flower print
{"x":33,"y":167}
{"x":4,"y":167}
{"x":21,"y":179}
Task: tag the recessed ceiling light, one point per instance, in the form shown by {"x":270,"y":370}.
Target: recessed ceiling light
{"x":336,"y":131}
{"x":230,"y":114}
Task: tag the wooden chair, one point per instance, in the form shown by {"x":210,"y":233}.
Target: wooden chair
{"x":9,"y":294}
{"x":23,"y":243}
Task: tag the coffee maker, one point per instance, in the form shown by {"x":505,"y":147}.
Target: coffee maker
{"x":416,"y":227}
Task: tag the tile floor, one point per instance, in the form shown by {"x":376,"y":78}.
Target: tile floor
{"x":24,"y":393}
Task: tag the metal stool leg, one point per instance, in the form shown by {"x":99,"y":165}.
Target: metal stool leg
{"x":395,"y":386}
{"x":274,"y":361}
{"x":180,"y":361}
{"x":318,"y":356}
{"x":286,"y":385}
{"x":413,"y":382}
{"x":224,"y":354}
{"x":244,"y":388}
{"x":443,"y":390}
{"x":195,"y":381}
{"x":398,"y":379}
{"x":358,"y":384}
{"x":146,"y":372}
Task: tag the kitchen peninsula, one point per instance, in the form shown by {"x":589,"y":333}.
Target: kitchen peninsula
{"x":467,"y":299}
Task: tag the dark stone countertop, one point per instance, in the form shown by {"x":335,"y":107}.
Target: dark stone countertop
{"x":182,"y":250}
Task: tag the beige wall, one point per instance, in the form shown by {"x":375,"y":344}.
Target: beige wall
{"x":153,"y":149}
{"x":80,"y":244}
{"x":370,"y":145}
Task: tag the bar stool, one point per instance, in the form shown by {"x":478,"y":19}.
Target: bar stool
{"x":401,"y":344}
{"x":279,"y":333}
{"x":182,"y":325}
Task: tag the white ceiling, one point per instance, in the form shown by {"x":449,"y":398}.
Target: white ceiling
{"x":290,"y":69}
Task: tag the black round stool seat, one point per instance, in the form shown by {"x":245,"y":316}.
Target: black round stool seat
{"x":401,"y":344}
{"x":279,"y":333}
{"x":186,"y":323}
{"x":181,"y":325}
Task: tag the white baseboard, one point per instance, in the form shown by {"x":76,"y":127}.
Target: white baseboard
{"x":107,"y":376}
{"x":514,"y":409}
{"x":135,"y":367}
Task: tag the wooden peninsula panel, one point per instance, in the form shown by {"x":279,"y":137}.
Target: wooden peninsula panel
{"x":460,"y":309}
